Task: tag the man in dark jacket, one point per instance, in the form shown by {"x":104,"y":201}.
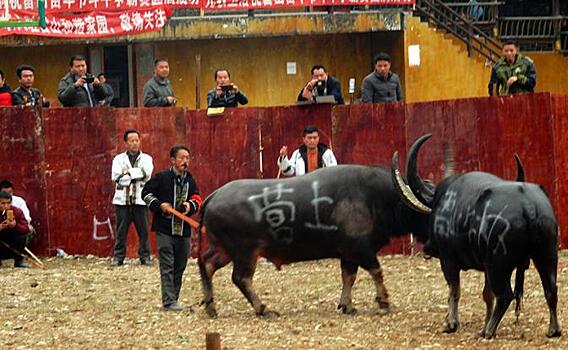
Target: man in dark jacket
{"x":321,"y":84}
{"x":158,"y":91}
{"x":513,"y":73}
{"x":382,"y":85}
{"x":109,"y":92}
{"x":172,"y":188}
{"x":78,"y":88}
{"x":225,"y":94}
{"x":25,"y":94}
{"x":13,"y":231}
{"x":5,"y":92}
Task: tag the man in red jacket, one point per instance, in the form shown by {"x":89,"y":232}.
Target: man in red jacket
{"x":5,"y":92}
{"x":13,"y":230}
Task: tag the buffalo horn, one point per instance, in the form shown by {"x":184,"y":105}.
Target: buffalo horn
{"x":404,"y":190}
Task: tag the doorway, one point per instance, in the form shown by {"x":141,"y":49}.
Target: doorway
{"x":116,"y":69}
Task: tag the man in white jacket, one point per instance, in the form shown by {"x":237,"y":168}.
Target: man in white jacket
{"x":130,"y":171}
{"x":310,"y":156}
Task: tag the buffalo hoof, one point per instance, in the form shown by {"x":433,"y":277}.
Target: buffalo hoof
{"x":347,"y":309}
{"x":450,"y":327}
{"x":485,"y":335}
{"x":554,"y":333}
{"x":211,"y":311}
{"x":269,"y":314}
{"x":384,"y":307}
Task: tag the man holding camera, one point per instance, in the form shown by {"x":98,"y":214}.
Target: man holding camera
{"x":25,"y":94}
{"x":78,"y":88}
{"x":225,"y":94}
{"x":13,"y":231}
{"x":321,"y":84}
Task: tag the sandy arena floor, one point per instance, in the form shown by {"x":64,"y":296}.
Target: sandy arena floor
{"x":82,"y":303}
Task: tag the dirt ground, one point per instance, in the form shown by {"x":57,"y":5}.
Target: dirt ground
{"x":83,"y":303}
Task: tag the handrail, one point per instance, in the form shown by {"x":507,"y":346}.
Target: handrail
{"x":463,"y":28}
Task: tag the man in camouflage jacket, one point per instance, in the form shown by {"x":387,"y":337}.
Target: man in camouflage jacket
{"x":513,"y":73}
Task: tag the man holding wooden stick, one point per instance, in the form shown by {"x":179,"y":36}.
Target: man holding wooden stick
{"x":13,"y":231}
{"x":174,"y":188}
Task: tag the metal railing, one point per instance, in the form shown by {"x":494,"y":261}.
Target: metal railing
{"x":463,"y":28}
{"x":564,"y":42}
{"x":531,"y":28}
{"x":483,"y":14}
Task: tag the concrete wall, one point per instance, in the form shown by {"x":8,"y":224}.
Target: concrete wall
{"x":258,"y":65}
{"x":445,"y":71}
{"x":551,"y":72}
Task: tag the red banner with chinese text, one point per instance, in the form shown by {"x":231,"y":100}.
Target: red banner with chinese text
{"x":267,"y":4}
{"x":74,"y":6}
{"x":103,"y":18}
{"x":97,"y":24}
{"x":21,"y":7}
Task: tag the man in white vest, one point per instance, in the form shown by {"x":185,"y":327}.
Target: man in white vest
{"x":130,"y":171}
{"x":310,"y":156}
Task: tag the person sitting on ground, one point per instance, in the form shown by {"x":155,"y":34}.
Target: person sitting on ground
{"x":13,"y":231}
{"x":310,"y":156}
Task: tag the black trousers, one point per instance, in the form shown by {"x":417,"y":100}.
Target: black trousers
{"x":16,"y":241}
{"x":172,"y":253}
{"x":125,"y":215}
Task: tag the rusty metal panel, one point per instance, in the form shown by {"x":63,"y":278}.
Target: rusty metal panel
{"x":78,"y":154}
{"x":223,"y":148}
{"x":560,"y":138}
{"x":22,"y":157}
{"x":369,"y":133}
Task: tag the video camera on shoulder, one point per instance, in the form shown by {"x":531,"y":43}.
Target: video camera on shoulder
{"x":228,"y":87}
{"x":89,"y":78}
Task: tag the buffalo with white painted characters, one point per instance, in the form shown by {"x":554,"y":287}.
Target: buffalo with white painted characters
{"x":347,"y":212}
{"x":480,"y":221}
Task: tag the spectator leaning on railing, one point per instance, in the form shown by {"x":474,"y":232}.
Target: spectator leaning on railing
{"x":513,"y":73}
{"x":382,"y":85}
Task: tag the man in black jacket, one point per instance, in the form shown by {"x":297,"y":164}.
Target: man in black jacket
{"x":172,"y":188}
{"x":321,"y":84}
{"x":226,"y":93}
{"x":25,"y":94}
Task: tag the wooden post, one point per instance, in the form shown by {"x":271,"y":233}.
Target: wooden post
{"x":213,"y":341}
{"x":197,"y":80}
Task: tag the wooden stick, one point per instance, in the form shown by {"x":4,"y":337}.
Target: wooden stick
{"x":34,"y":257}
{"x":213,"y":341}
{"x":190,"y":221}
{"x":22,"y":255}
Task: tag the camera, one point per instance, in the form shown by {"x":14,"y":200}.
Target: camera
{"x":320,"y":87}
{"x":89,"y":78}
{"x":226,"y":88}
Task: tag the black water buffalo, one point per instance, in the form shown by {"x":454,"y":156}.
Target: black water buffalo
{"x":480,"y":221}
{"x":347,"y":212}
